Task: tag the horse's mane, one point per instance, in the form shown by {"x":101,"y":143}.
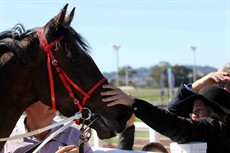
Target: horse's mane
{"x":8,"y":43}
{"x":10,"y":39}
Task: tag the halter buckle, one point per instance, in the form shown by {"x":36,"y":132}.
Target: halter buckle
{"x":54,"y":62}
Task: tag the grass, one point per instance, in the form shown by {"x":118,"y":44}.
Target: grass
{"x":149,"y":94}
{"x":146,"y":94}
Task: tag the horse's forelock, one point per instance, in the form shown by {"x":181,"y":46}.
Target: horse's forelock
{"x":71,"y":40}
{"x":81,"y":42}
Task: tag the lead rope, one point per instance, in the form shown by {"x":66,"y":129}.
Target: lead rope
{"x":85,"y":132}
{"x":78,"y":115}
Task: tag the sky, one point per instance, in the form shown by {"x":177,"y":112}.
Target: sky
{"x":147,"y":31}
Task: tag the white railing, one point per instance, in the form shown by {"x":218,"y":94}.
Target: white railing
{"x":139,"y":126}
{"x":112,"y":150}
{"x":191,"y":147}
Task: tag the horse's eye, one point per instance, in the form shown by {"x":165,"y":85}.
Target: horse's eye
{"x":75,"y":60}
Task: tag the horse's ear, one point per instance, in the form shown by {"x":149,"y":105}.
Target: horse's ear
{"x":69,"y":17}
{"x":57,"y":21}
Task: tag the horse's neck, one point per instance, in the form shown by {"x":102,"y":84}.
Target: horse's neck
{"x":11,"y":105}
{"x":8,"y":119}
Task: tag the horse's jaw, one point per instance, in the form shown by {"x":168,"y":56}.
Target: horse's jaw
{"x":103,"y":130}
{"x":107,"y":127}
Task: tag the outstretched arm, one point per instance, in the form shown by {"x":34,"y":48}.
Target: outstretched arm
{"x":176,"y":128}
{"x":175,"y":106}
{"x":211,"y":78}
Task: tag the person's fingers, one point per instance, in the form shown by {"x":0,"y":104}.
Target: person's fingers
{"x":108,"y":86}
{"x":223,"y":78}
{"x":113,"y":91}
{"x":219,"y":76}
{"x":75,"y":150}
{"x":115,"y":96}
{"x":67,"y":149}
{"x":109,"y":99}
{"x":110,"y":92}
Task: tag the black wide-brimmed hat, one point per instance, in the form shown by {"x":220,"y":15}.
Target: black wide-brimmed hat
{"x":212,"y":95}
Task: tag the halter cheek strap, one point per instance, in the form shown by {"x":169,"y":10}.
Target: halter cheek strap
{"x":67,"y":82}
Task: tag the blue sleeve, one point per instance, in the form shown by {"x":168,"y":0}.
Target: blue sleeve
{"x":87,"y":148}
{"x":175,"y":106}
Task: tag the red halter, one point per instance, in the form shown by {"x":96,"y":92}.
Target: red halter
{"x":67,"y":82}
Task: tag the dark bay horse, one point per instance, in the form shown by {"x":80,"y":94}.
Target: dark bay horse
{"x":52,"y":64}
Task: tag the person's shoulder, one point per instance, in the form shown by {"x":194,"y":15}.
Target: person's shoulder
{"x":19,"y":127}
{"x":69,"y":136}
{"x":73,"y":128}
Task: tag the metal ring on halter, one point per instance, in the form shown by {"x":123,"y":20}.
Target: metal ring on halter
{"x":76,"y":102}
{"x":89,"y":114}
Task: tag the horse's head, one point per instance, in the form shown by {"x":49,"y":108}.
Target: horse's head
{"x":77,"y":81}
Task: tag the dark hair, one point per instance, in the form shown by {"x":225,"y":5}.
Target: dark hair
{"x":217,"y":114}
{"x":221,"y":116}
{"x":154,"y":146}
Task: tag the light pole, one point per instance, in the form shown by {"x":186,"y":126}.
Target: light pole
{"x":194,"y":61}
{"x":116,"y":49}
{"x":127,"y":75}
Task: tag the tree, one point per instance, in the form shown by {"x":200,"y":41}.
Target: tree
{"x":126,"y":72}
{"x":182,"y":74}
{"x":155,"y":72}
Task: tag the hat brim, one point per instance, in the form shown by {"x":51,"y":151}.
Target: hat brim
{"x":187,"y":103}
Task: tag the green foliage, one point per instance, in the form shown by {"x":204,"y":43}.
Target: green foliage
{"x":156,"y":71}
{"x":181,"y":73}
{"x":124,"y":72}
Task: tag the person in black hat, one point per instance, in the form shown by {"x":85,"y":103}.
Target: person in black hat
{"x":214,"y":130}
{"x":198,"y":108}
{"x":209,"y":101}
